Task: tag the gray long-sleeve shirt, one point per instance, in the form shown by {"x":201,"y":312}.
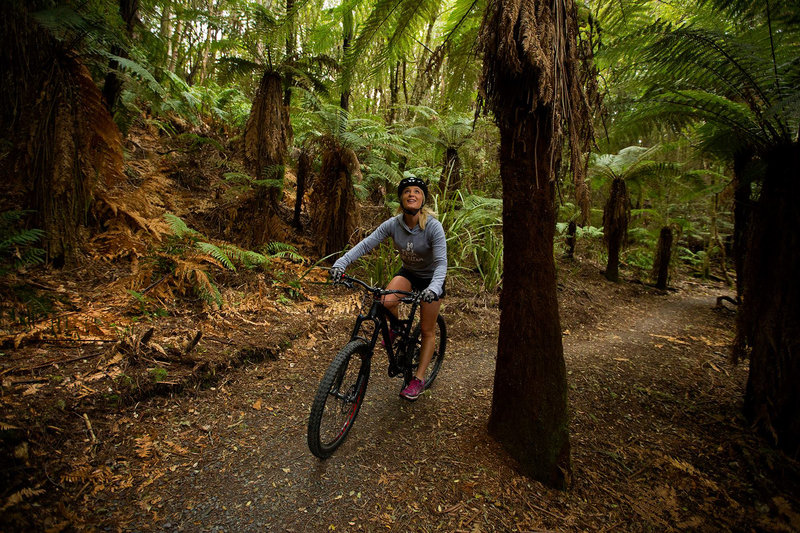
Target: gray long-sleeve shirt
{"x":423,"y":252}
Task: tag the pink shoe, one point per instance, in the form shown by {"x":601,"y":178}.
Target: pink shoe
{"x":413,"y":389}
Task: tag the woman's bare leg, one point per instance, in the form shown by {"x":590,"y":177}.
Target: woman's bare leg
{"x":430,"y":311}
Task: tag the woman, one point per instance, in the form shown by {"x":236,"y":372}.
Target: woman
{"x":420,"y":240}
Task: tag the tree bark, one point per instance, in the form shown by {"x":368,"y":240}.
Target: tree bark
{"x":450,"y":180}
{"x":303,"y":174}
{"x":265,"y":148}
{"x":63,"y":147}
{"x":334,"y":216}
{"x":615,"y":226}
{"x":742,"y":207}
{"x":768,"y":322}
{"x":112,"y":87}
{"x":529,"y":82}
{"x":347,"y":37}
{"x":663,"y":255}
{"x":572,"y":228}
{"x":529,"y":404}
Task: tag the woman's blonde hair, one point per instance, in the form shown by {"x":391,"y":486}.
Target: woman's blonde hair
{"x":424,"y":213}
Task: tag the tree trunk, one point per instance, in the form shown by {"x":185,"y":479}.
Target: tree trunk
{"x":663,"y":255}
{"x":769,"y":315}
{"x":742,"y":207}
{"x":303,"y":174}
{"x":112,"y":88}
{"x":615,"y":225}
{"x":450,"y":180}
{"x":529,"y":67}
{"x":165,"y":31}
{"x":265,"y":148}
{"x":289,"y":80}
{"x":334,"y":216}
{"x":572,"y":228}
{"x":394,"y":92}
{"x":64,"y":147}
{"x":529,"y":404}
{"x":174,"y":45}
{"x":347,"y":37}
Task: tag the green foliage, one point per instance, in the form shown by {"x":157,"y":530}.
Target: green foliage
{"x":380,"y":265}
{"x":186,"y":254}
{"x":473,"y":227}
{"x":158,"y":374}
{"x":18,"y":248}
{"x":284,"y":251}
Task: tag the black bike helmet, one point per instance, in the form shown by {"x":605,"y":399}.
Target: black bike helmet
{"x":412,"y":181}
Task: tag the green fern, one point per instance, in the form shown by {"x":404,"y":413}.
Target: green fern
{"x":17,"y":248}
{"x":246,"y":258}
{"x":139,"y":71}
{"x":284,"y":251}
{"x":215,"y":252}
{"x":179,"y":227}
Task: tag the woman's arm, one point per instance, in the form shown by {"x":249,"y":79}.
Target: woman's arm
{"x":439,"y":245}
{"x":367,"y":244}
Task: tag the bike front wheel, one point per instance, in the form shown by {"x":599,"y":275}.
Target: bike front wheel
{"x":440,"y":344}
{"x":338,"y":399}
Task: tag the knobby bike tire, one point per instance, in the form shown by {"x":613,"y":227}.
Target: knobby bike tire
{"x":338,"y":399}
{"x":438,"y":352}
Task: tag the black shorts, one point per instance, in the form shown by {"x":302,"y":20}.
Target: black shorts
{"x":418,"y":283}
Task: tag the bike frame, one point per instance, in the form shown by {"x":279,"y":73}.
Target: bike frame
{"x":382,"y":318}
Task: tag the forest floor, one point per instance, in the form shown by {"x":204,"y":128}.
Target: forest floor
{"x":218,"y":443}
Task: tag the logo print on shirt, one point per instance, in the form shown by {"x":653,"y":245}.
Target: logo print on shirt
{"x":409,"y":256}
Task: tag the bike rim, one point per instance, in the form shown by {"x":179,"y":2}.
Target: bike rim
{"x":342,"y":404}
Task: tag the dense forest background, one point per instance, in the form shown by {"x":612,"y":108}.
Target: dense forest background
{"x":184,"y":144}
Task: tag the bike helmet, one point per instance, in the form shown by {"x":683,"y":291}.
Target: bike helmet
{"x":411,"y":181}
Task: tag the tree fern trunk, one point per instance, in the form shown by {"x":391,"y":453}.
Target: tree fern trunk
{"x":529,"y":403}
{"x":572,"y":228}
{"x":112,"y":88}
{"x":265,"y":147}
{"x":450,"y":180}
{"x":519,"y":38}
{"x":303,"y":174}
{"x":742,"y":207}
{"x":768,"y":323}
{"x":65,"y":148}
{"x":615,"y":225}
{"x":662,"y":259}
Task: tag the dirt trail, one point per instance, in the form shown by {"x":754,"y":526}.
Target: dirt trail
{"x":656,"y":436}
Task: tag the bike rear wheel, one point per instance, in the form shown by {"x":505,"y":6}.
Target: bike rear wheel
{"x":438,"y":351}
{"x":338,"y":399}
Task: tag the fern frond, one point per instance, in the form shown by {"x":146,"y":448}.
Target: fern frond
{"x":284,"y":251}
{"x":179,"y":227}
{"x":215,"y":252}
{"x":139,"y":71}
{"x":246,"y":258}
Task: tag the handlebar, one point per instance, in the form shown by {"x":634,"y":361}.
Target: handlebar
{"x":349,"y":281}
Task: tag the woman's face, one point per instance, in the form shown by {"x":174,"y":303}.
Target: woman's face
{"x":412,"y":197}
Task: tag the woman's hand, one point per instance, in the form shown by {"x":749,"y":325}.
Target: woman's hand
{"x":336,"y":274}
{"x":428,"y":296}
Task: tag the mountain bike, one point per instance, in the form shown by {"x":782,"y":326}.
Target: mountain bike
{"x":342,"y":388}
